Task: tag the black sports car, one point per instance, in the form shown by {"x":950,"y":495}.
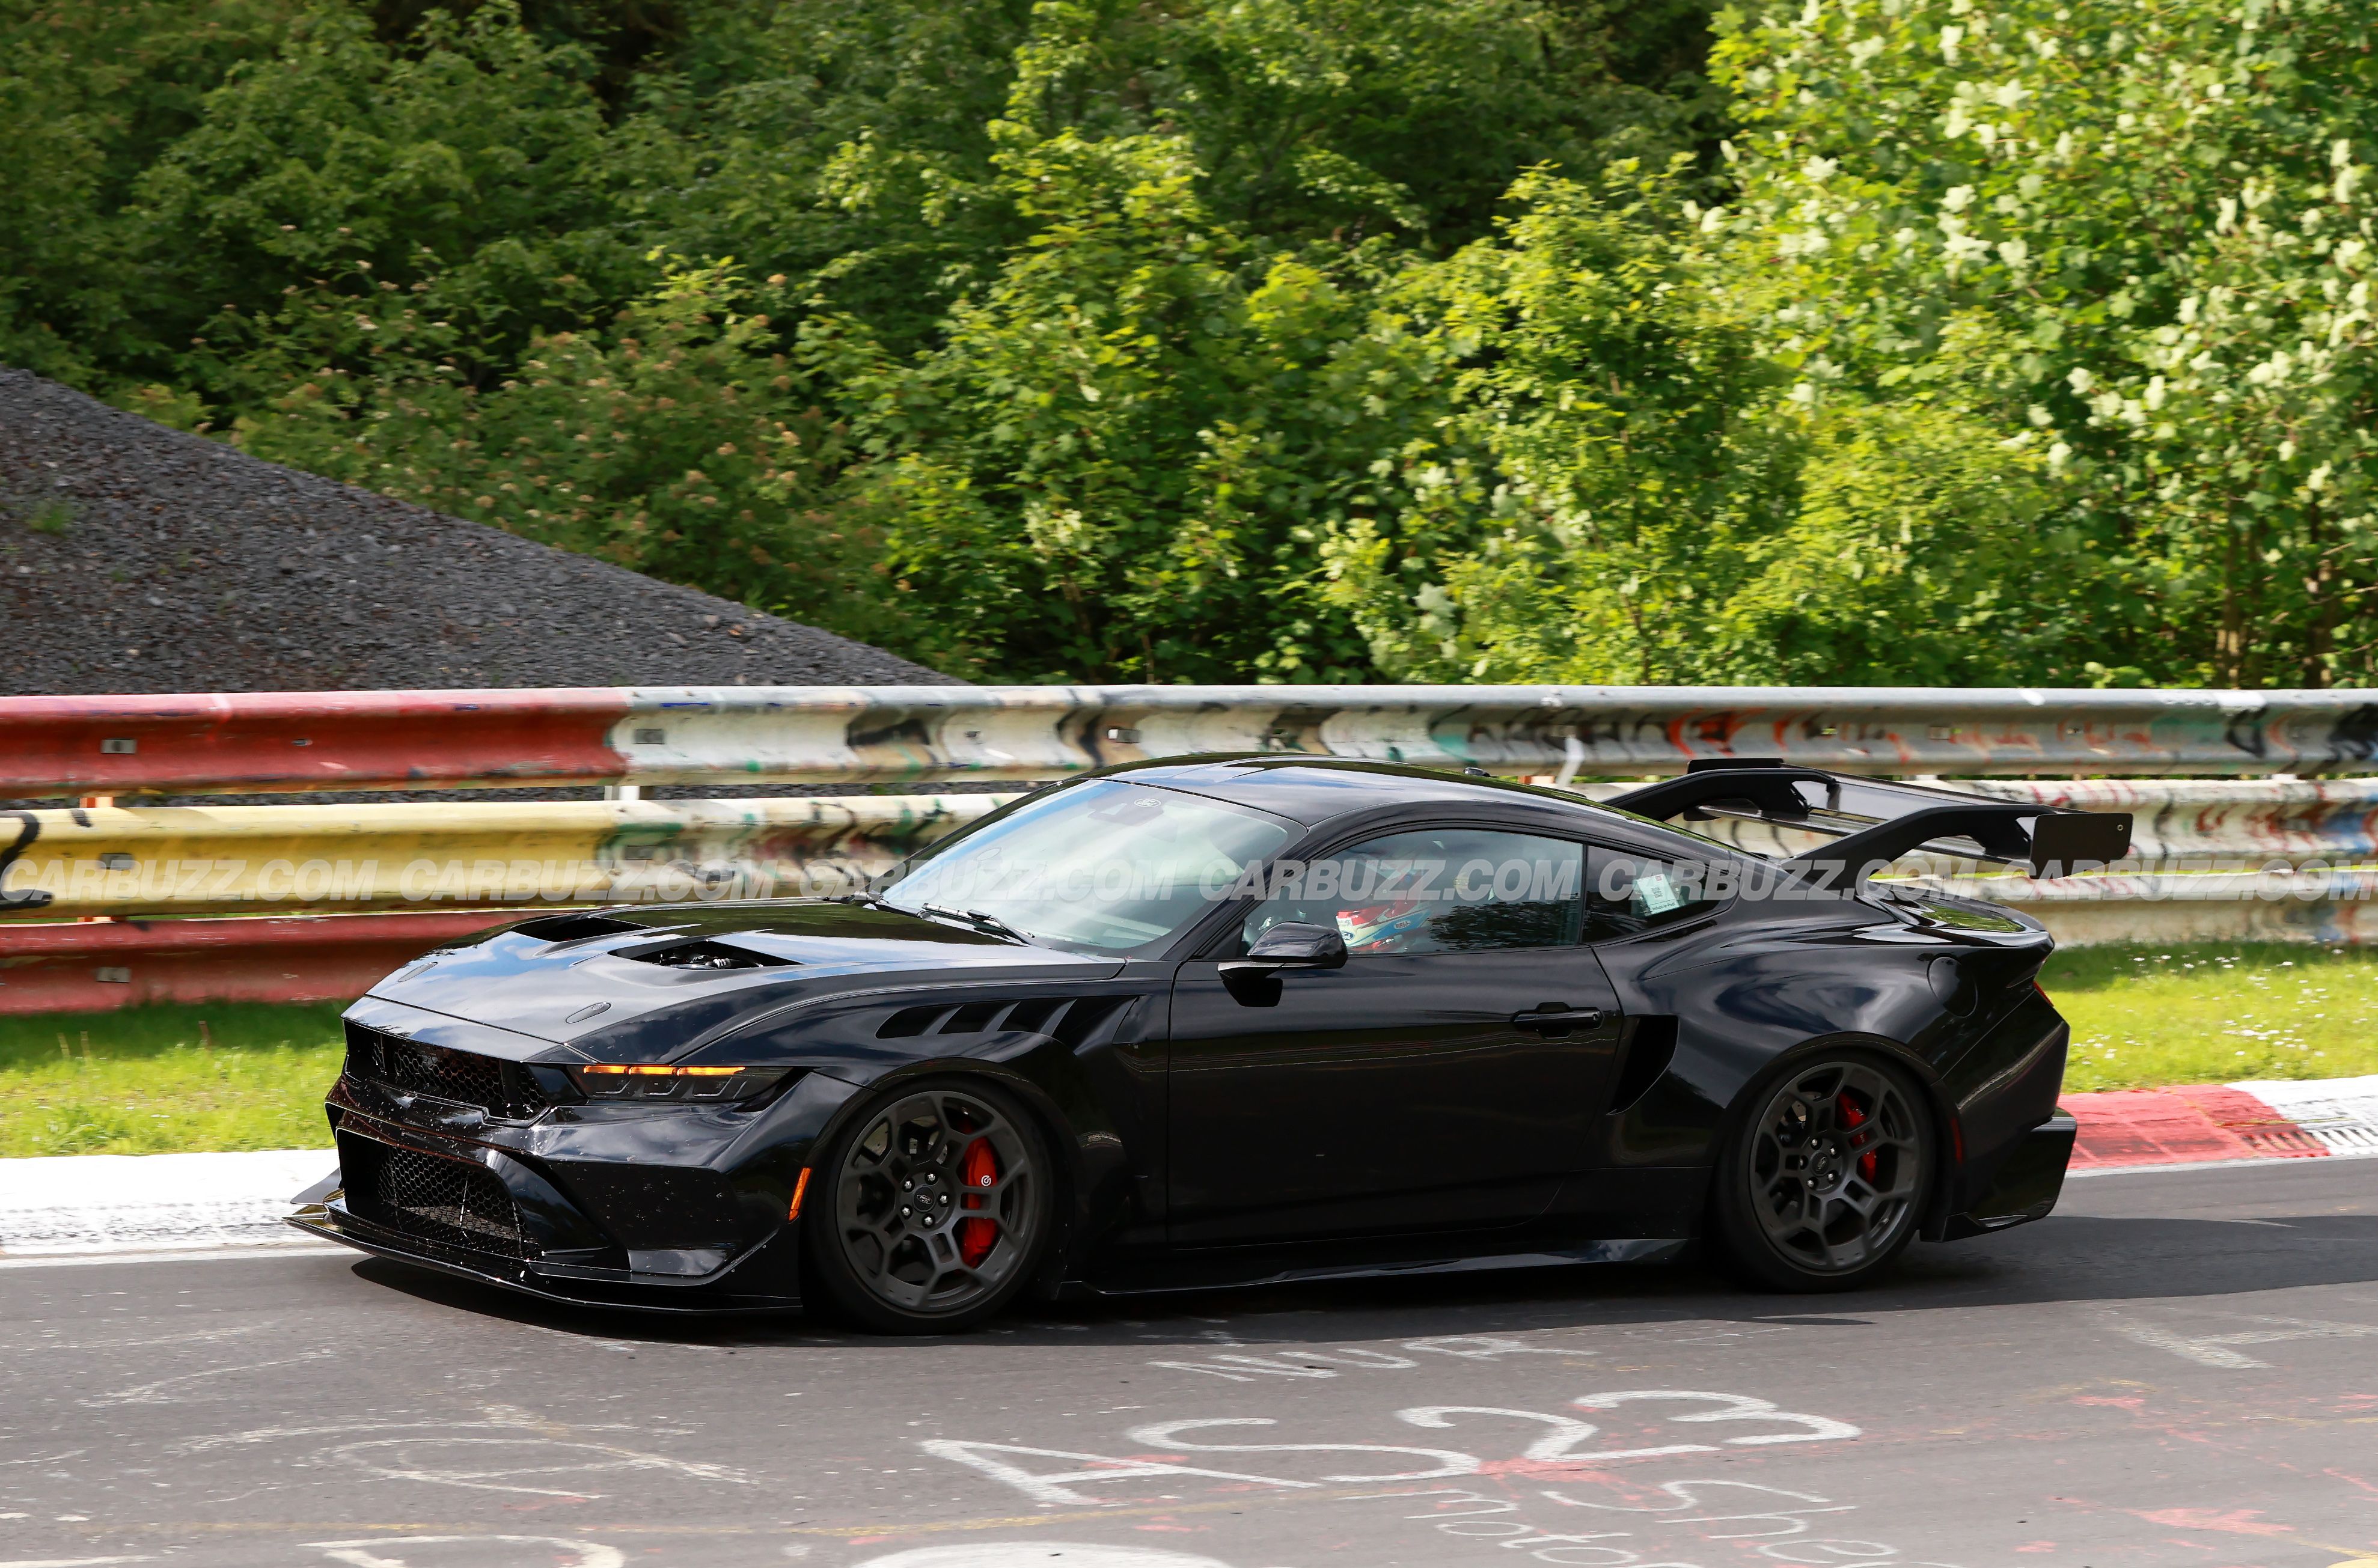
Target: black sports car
{"x":1235,"y":1018}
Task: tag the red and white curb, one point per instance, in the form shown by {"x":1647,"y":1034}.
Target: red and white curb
{"x":101,"y":1203}
{"x":2217,"y":1124}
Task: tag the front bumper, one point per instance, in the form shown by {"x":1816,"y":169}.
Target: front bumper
{"x":650,"y":1216}
{"x":578,"y":1287}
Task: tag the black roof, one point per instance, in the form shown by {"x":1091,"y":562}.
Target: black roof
{"x":1313,"y":790}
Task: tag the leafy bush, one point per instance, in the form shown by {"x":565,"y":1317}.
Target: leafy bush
{"x":1281,"y":339}
{"x":677,"y":439}
{"x":2162,"y":211}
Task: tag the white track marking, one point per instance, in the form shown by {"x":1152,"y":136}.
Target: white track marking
{"x":230,"y":1252}
{"x":2215,"y":1349}
{"x":540,"y":1457}
{"x":1287,"y":1362}
{"x":146,"y":1393}
{"x":1055,"y":1486}
{"x":1552,"y":1448}
{"x":1164,"y":1434}
{"x":1739,"y":1408}
{"x":1039,"y":1554}
{"x":365,"y":1553}
{"x":2183,"y":1167}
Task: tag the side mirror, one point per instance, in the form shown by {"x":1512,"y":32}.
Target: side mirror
{"x":1290,"y":945}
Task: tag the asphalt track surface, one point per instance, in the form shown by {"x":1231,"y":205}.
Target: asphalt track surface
{"x":2181,"y":1367}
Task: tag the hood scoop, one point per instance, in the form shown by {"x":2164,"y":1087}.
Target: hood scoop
{"x":702,"y":953}
{"x":576,"y":928}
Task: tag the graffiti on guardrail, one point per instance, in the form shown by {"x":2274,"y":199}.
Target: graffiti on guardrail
{"x":252,"y":742}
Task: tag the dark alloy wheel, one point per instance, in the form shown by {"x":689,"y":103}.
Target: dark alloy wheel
{"x":935,"y":1209}
{"x":1826,"y":1182}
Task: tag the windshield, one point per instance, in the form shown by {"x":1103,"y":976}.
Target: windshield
{"x":1107,"y":865}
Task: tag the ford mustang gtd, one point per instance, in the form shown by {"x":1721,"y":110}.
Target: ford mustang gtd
{"x":1236,"y":1019}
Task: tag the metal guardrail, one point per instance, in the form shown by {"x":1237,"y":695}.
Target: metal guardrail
{"x":140,"y":862}
{"x":173,"y":860}
{"x":2228,"y":858}
{"x":379,"y":740}
{"x":96,"y":965}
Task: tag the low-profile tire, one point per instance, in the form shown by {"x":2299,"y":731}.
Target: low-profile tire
{"x":930,"y":1210}
{"x":1824,"y":1182}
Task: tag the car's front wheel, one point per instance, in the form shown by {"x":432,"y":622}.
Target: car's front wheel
{"x":1825,"y":1182}
{"x":934,"y":1209}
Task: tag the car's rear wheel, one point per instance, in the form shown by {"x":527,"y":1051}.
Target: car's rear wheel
{"x":935,"y":1209}
{"x":1824,"y":1184}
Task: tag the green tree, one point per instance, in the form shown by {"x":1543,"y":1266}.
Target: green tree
{"x":678,"y":439}
{"x":1120,"y":461}
{"x":2163,"y":212}
{"x":477,"y":151}
{"x":92,"y":93}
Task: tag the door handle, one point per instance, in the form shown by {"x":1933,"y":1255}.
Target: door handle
{"x":1554,"y":1018}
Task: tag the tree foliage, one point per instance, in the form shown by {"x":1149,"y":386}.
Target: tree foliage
{"x":1824,"y":341}
{"x":2162,"y":212}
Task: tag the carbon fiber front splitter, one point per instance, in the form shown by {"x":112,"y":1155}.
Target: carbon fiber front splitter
{"x":568,"y":1286}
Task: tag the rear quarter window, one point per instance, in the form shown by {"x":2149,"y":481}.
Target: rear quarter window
{"x":1629,"y":891}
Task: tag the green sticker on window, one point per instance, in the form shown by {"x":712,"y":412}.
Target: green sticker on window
{"x":1654,"y":894}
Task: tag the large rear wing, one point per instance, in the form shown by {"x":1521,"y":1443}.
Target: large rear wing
{"x":1873,"y":822}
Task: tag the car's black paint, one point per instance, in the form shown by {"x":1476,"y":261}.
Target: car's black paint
{"x":1394,"y":1096}
{"x":1397,"y":1113}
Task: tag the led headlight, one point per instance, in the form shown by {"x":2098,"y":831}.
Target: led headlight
{"x":642,"y":1082}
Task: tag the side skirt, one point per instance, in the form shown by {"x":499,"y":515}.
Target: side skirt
{"x":1218,"y":1271}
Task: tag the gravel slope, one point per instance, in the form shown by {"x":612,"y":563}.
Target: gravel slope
{"x":186,"y":565}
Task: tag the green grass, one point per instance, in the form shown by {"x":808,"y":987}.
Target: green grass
{"x":148,"y":1080}
{"x":161,"y":1080}
{"x":2214,"y":1012}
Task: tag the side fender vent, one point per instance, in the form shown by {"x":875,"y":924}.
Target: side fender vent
{"x":910,"y":1021}
{"x":1087,"y":1016}
{"x":1070,"y":1019}
{"x":975,"y":1017}
{"x":1651,"y":1047}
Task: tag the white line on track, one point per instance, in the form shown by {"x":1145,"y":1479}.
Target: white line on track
{"x":184,"y":1255}
{"x":2313,"y":1160}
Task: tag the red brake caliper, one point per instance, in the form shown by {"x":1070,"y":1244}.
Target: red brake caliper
{"x":1853,"y":1118}
{"x":978,"y":1169}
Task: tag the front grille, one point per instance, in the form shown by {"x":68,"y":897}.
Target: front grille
{"x":500,"y":1088}
{"x":457,"y":1202}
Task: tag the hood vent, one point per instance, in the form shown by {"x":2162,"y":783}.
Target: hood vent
{"x":576,"y":928}
{"x":705,"y":954}
{"x":1070,"y":1019}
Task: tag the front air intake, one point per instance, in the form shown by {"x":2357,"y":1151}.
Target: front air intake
{"x":450,"y":1201}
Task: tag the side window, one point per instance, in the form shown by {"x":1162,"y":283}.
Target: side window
{"x":1441,"y":889}
{"x":1628,"y":892}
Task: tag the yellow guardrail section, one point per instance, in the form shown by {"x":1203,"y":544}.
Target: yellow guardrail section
{"x":208,"y":859}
